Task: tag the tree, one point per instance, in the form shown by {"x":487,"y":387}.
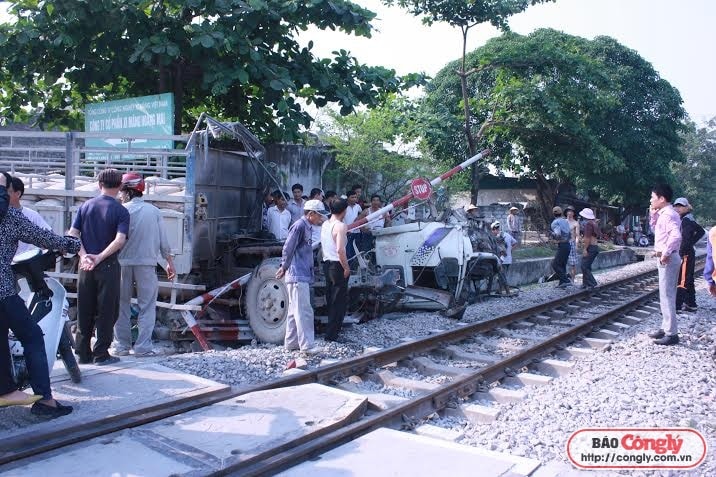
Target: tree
{"x":376,"y":147}
{"x":563,"y":109}
{"x":696,"y":173}
{"x":467,"y":15}
{"x":239,"y":59}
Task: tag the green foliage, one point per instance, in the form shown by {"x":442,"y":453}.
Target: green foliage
{"x":376,"y":147}
{"x":696,"y":173}
{"x":463,"y":13}
{"x":237,"y":59}
{"x":554,"y":106}
{"x":466,"y":15}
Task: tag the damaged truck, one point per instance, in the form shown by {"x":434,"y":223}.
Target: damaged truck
{"x":209,"y":188}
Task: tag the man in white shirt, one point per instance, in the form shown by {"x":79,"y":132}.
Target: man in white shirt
{"x":266,"y":204}
{"x":295,"y":205}
{"x":367,"y":241}
{"x":376,"y":203}
{"x":503,"y":238}
{"x":352,"y":213}
{"x":336,"y":269}
{"x":279,"y":218}
{"x":513,"y":224}
{"x":18,"y":189}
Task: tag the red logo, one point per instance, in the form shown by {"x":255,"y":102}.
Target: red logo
{"x":637,"y":448}
{"x":421,"y":188}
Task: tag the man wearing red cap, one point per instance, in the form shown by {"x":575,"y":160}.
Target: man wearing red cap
{"x":146,"y":242}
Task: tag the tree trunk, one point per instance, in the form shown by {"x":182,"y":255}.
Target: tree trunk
{"x":178,"y":89}
{"x":476,"y":169}
{"x":545,"y":198}
{"x":163,"y":85}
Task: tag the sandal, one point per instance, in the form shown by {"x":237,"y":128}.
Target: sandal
{"x":19,"y":402}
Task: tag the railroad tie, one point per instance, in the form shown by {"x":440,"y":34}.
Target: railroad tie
{"x":617,"y":326}
{"x":436,"y":432}
{"x":387,"y":378}
{"x":604,"y":334}
{"x":502,"y":395}
{"x":597,"y":343}
{"x":475,"y":413}
{"x":430,"y":368}
{"x":555,"y":367}
{"x":458,"y":353}
{"x":528,"y":379}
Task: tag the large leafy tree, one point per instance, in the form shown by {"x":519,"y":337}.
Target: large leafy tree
{"x":239,"y":59}
{"x":467,"y":15}
{"x":377,"y":147}
{"x":563,"y":109}
{"x":695,"y":173}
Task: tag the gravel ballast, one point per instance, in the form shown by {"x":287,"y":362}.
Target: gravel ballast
{"x":256,"y":363}
{"x":634,"y":383}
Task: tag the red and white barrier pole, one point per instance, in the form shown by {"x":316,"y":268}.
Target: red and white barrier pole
{"x":407,"y":198}
{"x":204,"y":300}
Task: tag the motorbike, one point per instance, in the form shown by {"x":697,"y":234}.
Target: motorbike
{"x":46,"y":299}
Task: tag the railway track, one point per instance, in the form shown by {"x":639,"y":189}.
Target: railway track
{"x":505,"y":345}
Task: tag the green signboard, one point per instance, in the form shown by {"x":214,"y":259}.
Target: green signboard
{"x":152,"y":115}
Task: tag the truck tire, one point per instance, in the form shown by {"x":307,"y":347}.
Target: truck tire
{"x":64,"y":351}
{"x":267,"y":302}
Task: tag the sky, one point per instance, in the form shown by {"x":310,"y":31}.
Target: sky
{"x":676,"y":36}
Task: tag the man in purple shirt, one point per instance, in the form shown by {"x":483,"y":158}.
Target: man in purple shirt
{"x":297,"y":267}
{"x":102,"y":224}
{"x":710,"y":267}
{"x":666,"y":223}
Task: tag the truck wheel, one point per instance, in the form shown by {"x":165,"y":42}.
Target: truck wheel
{"x":64,"y":350}
{"x":267,"y":302}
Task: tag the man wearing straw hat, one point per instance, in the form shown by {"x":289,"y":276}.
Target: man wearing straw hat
{"x":472,"y":211}
{"x":513,"y":224}
{"x":591,"y":230}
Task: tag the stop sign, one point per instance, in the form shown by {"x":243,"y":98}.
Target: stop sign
{"x":421,"y":188}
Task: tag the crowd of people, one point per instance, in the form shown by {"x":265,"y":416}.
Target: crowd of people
{"x":323,"y":219}
{"x":119,"y":244}
{"x":676,"y":233}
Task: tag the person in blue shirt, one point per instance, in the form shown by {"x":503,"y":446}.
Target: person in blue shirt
{"x":297,"y":269}
{"x":561,"y":234}
{"x":710,"y":266}
{"x":102,"y":225}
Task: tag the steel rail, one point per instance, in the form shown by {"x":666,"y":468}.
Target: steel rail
{"x":424,"y":405}
{"x":34,"y":443}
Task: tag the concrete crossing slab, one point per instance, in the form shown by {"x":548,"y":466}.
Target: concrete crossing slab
{"x":108,"y":391}
{"x":205,"y":440}
{"x":259,"y":421}
{"x":387,"y":452}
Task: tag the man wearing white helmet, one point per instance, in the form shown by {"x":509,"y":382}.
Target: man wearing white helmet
{"x":146,"y":242}
{"x":590,"y":247}
{"x":509,"y":242}
{"x":297,"y":268}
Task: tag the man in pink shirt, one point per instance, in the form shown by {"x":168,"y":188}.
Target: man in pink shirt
{"x":666,"y":223}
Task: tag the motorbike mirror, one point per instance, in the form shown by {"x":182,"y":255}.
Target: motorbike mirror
{"x":28,"y":255}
